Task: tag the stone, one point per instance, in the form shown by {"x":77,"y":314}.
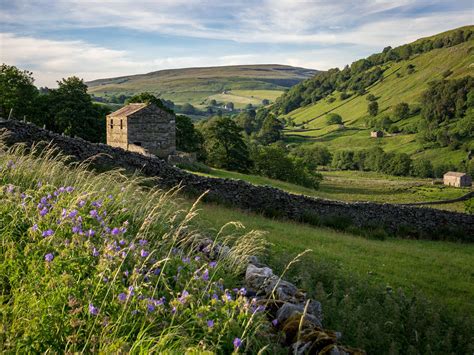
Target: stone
{"x":289,"y":310}
{"x":255,"y":276}
{"x":284,"y":290}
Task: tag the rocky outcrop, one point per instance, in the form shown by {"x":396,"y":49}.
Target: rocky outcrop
{"x":407,"y":220}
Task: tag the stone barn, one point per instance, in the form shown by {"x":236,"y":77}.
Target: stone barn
{"x":143,"y":128}
{"x":376,"y":134}
{"x":452,"y":178}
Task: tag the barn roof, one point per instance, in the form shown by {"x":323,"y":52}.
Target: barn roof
{"x":454,"y":173}
{"x":128,"y":110}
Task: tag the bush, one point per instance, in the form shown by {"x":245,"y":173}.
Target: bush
{"x":333,"y":118}
{"x":343,"y":160}
{"x":373,"y":108}
{"x":344,"y":95}
{"x":312,"y":156}
{"x":401,"y":111}
{"x":422,"y":168}
{"x":398,"y":164}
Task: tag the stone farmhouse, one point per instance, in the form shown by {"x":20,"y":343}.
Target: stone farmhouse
{"x":143,"y":128}
{"x":452,"y":178}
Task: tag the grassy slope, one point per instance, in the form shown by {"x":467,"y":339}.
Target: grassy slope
{"x":363,"y":186}
{"x":196,"y":85}
{"x":392,"y":90}
{"x":441,"y":270}
{"x":241,"y":98}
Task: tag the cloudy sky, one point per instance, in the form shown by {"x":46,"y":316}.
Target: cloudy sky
{"x":96,"y":39}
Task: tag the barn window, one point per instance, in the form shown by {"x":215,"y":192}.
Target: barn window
{"x":121,"y":124}
{"x":138,"y":143}
{"x":111,"y":123}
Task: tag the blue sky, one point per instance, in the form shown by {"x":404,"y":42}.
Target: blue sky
{"x":96,"y":39}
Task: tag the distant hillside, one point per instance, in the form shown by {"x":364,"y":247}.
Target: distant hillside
{"x":398,"y":75}
{"x":240,"y":84}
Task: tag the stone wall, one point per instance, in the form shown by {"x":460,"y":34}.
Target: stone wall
{"x":408,"y":220}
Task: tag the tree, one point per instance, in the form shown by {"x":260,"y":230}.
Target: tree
{"x":189,"y":109}
{"x":229,"y":106}
{"x":17,"y":92}
{"x":422,"y":168}
{"x":401,"y":111}
{"x":333,"y":118}
{"x":224,"y":144}
{"x":371,"y":97}
{"x":249,"y":107}
{"x":397,"y":164}
{"x":312,"y":156}
{"x":213,"y":102}
{"x":265,"y":102}
{"x":373,"y":108}
{"x":146,"y":97}
{"x":343,"y":160}
{"x":188,"y":139}
{"x":246,"y":121}
{"x":270,"y":131}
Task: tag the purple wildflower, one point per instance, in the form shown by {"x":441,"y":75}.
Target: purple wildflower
{"x":205,"y":275}
{"x":115,"y":231}
{"x":10,"y":188}
{"x":73,"y":214}
{"x":95,"y":252}
{"x":197,"y":258}
{"x":142,"y":242}
{"x":173,"y":310}
{"x":47,"y":233}
{"x":44,"y":211}
{"x":34,"y":228}
{"x":144,"y":253}
{"x":76,"y":229}
{"x":49,"y":257}
{"x":157,"y":271}
{"x":90,"y":233}
{"x":122,"y":297}
{"x":69,"y":189}
{"x":130,"y":290}
{"x":81,"y":203}
{"x":210,"y":323}
{"x":122,"y":241}
{"x":94,"y":214}
{"x":275,"y":322}
{"x":214,"y":296}
{"x":185,"y":260}
{"x":213,"y":264}
{"x":184,"y":296}
{"x":150,"y":307}
{"x":237,"y":343}
{"x":93,"y":310}
{"x":97,"y":203}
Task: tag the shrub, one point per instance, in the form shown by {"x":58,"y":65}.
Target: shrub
{"x":343,"y":160}
{"x":373,"y":108}
{"x":401,"y":111}
{"x":422,"y":168}
{"x":333,"y":118}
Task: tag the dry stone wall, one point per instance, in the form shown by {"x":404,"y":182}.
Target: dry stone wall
{"x":411,"y":221}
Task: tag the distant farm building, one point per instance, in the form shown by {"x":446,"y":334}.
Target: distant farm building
{"x":142,"y":128}
{"x":452,"y":178}
{"x":376,"y":134}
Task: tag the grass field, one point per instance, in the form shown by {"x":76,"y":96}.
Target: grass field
{"x":199,"y":85}
{"x":363,"y":186}
{"x":397,"y":86}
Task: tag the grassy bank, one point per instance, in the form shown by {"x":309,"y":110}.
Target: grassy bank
{"x":393,"y":294}
{"x":363,"y":186}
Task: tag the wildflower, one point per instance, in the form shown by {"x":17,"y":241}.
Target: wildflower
{"x":205,"y":275}
{"x":94,"y":214}
{"x":243,"y":291}
{"x":90,"y":233}
{"x":144,"y":253}
{"x":122,"y":241}
{"x":237,"y":343}
{"x":97,"y":203}
{"x":49,"y":257}
{"x":34,"y":228}
{"x":150,"y":308}
{"x":69,"y":189}
{"x":213,"y":264}
{"x":130,"y":290}
{"x":39,"y":184}
{"x":142,"y":242}
{"x":210,"y":323}
{"x":123,"y":230}
{"x":47,"y":233}
{"x":44,"y":211}
{"x":105,"y":279}
{"x":157,"y":271}
{"x":184,"y":296}
{"x":81,"y":203}
{"x":115,"y":231}
{"x":197,"y":258}
{"x":173,"y":310}
{"x":122,"y":297}
{"x":275,"y":322}
{"x":185,"y":260}
{"x":95,"y":252}
{"x":76,"y":229}
{"x":73,"y":214}
{"x":214,"y":296}
{"x":93,"y":310}
{"x":10,"y":188}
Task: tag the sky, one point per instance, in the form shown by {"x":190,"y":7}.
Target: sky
{"x":100,"y":39}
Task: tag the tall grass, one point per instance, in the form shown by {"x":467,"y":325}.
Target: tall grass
{"x":98,"y":263}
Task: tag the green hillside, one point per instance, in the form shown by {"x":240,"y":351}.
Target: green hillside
{"x":241,"y":84}
{"x":401,"y":81}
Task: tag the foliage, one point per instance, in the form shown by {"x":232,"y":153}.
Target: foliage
{"x":422,"y":168}
{"x":17,"y":92}
{"x":270,"y":131}
{"x":373,"y":108}
{"x":224,"y":144}
{"x":312,"y":156}
{"x":188,"y":139}
{"x":333,"y":118}
{"x":401,"y":111}
{"x":274,"y":162}
{"x":146,"y":97}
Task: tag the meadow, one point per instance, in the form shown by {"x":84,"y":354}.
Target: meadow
{"x":362,"y":186}
{"x":101,"y":262}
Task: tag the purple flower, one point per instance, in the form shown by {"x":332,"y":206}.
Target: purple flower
{"x":275,"y":322}
{"x":34,"y":228}
{"x":44,"y":211}
{"x":237,"y":342}
{"x":94,"y":214}
{"x":197,"y":258}
{"x":49,"y":257}
{"x":81,"y":203}
{"x":157,"y":271}
{"x":93,"y":310}
{"x":214,"y":296}
{"x":184,"y":296}
{"x":47,"y":233}
{"x":130,"y":290}
{"x":95,"y":252}
{"x":213,"y":264}
{"x":173,"y":310}
{"x":73,"y":214}
{"x":76,"y":229}
{"x":90,"y":233}
{"x":210,"y":323}
{"x":144,"y":253}
{"x":142,"y":242}
{"x":10,"y":188}
{"x":69,"y":189}
{"x":97,"y":203}
{"x":150,"y":307}
{"x":185,"y":260}
{"x":122,"y":242}
{"x":205,"y":275}
{"x":122,"y":297}
{"x":115,"y":231}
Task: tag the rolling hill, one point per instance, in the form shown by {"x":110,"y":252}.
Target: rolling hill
{"x":402,"y":81}
{"x":240,"y":84}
